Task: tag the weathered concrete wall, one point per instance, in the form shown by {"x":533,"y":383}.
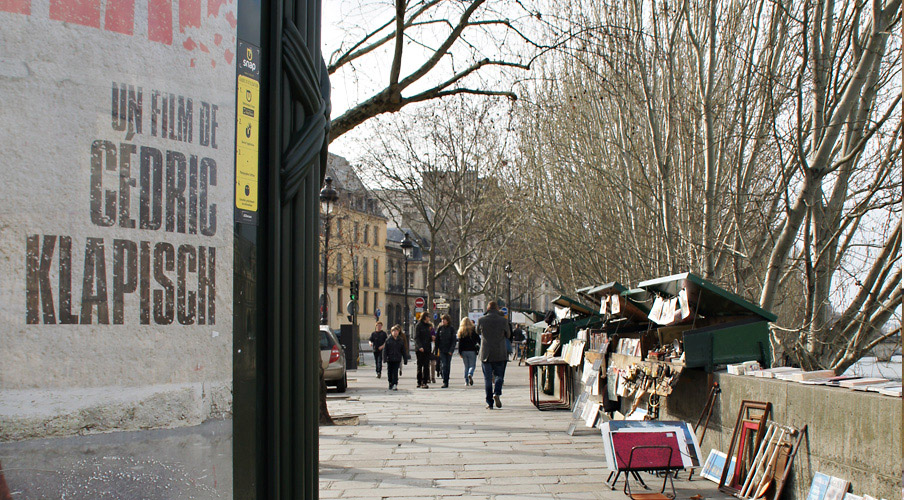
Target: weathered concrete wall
{"x":853,"y":435}
{"x":31,"y":414}
{"x":116,"y":221}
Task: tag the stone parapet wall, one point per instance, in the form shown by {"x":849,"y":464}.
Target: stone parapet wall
{"x":31,"y":414}
{"x":853,"y":435}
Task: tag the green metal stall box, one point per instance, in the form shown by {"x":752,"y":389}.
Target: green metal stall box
{"x":723,"y":328}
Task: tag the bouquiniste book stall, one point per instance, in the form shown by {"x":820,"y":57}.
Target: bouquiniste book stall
{"x":624,"y":365}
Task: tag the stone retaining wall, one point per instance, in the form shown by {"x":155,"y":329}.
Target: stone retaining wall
{"x":34,"y":413}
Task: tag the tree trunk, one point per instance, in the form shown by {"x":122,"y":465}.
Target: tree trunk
{"x":325,"y":418}
{"x":464,"y":306}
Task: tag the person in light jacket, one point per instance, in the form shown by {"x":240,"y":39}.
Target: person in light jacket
{"x":494,"y":329}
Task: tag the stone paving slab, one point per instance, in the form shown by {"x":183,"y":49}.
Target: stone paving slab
{"x":442,"y":443}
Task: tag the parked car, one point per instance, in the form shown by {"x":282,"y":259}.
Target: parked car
{"x":332,"y":358}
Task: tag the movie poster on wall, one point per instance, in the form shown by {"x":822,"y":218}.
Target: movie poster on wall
{"x":116,"y":229}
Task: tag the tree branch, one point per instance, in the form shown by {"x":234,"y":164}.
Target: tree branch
{"x":352,"y":53}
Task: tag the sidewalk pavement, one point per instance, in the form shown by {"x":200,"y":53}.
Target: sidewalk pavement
{"x":444,"y":443}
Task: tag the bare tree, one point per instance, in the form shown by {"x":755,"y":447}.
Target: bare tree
{"x":751,"y":141}
{"x":437,"y":48}
{"x":847,"y":136}
{"x":443,"y":181}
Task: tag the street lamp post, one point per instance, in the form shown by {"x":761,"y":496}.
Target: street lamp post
{"x":328,"y":199}
{"x":508,"y":274}
{"x":407,"y":249}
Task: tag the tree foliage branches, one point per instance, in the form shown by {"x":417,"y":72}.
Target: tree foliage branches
{"x":752,"y":141}
{"x":437,"y":49}
{"x":444,"y":181}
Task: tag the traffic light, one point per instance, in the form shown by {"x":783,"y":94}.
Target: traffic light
{"x":354,"y":290}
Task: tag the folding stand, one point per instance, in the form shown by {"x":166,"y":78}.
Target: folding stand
{"x":708,"y":413}
{"x":610,"y":482}
{"x":665,"y":467}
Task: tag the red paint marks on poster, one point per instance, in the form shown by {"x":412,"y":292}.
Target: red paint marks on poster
{"x":160,"y":21}
{"x":213,"y":7}
{"x":16,"y":6}
{"x":120,"y":16}
{"x":189,"y":14}
{"x":84,"y":12}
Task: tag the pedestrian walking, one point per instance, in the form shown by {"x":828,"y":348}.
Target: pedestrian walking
{"x":493,"y":329}
{"x":445,"y":344}
{"x":404,"y":337}
{"x":468,"y":341}
{"x":423,"y":345}
{"x":518,"y":343}
{"x":395,"y":353}
{"x":377,"y":339}
{"x":434,"y":357}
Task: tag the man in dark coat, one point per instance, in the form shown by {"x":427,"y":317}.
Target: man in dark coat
{"x":445,"y":344}
{"x":423,"y":343}
{"x":493,"y":329}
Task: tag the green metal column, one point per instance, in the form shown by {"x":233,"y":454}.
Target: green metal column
{"x":298,"y":104}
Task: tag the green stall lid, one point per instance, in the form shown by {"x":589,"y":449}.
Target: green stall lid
{"x":598,"y":292}
{"x":706,"y":298}
{"x":578,"y":307}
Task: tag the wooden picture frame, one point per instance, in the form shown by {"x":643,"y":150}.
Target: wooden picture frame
{"x":749,"y":430}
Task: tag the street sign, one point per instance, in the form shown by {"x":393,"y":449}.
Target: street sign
{"x":505,"y":311}
{"x":442,"y":305}
{"x":419,"y":302}
{"x":377,"y":313}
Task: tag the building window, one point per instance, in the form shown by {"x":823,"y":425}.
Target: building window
{"x":365,"y":302}
{"x":339,"y":228}
{"x":410,"y":279}
{"x":366,"y":234}
{"x":376,"y":238}
{"x":376,"y":302}
{"x":356,"y":232}
{"x":366,"y":277}
{"x":338,"y":307}
{"x":339,"y":266}
{"x":376,"y":273}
